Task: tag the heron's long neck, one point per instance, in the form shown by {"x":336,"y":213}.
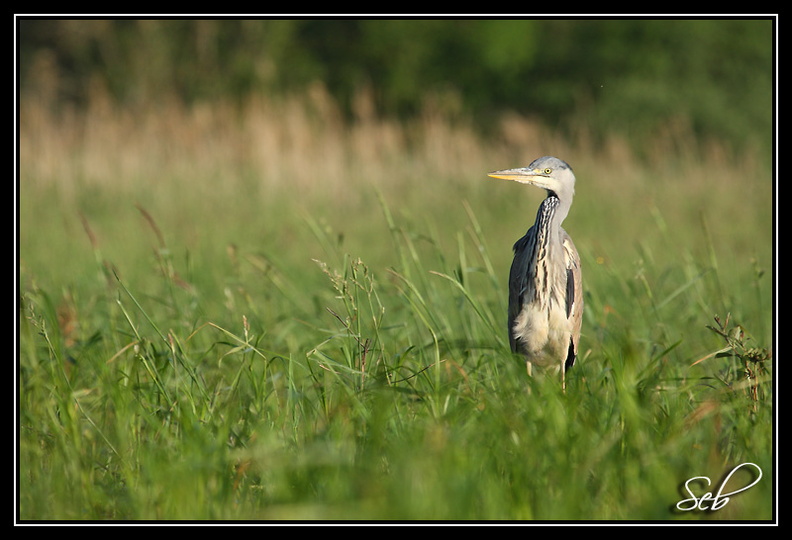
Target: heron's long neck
{"x":550,"y":215}
{"x":560,"y":207}
{"x":548,"y":222}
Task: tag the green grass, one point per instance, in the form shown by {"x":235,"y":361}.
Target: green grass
{"x":265,"y":355}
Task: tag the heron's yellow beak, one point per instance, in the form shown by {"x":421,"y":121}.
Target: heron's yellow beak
{"x":523,"y":175}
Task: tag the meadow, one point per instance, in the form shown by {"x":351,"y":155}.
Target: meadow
{"x":266,"y":312}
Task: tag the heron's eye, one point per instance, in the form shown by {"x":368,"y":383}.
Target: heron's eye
{"x":548,"y":171}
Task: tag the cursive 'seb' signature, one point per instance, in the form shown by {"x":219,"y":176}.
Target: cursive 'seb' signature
{"x":710,"y":501}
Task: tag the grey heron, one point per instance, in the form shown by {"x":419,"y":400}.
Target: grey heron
{"x":545,"y":287}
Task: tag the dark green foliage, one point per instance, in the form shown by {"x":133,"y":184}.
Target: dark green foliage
{"x":629,"y":75}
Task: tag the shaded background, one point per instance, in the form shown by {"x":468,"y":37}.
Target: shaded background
{"x":667,"y":123}
{"x":232,"y":131}
{"x":625,"y":75}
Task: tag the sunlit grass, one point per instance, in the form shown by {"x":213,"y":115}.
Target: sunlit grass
{"x":276,"y":315}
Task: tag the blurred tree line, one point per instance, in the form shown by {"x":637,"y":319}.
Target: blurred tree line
{"x":626,"y":75}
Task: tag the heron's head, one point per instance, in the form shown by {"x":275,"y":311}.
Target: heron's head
{"x":547,"y":172}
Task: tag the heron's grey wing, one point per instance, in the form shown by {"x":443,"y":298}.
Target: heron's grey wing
{"x":574,"y":296}
{"x":518,"y":281}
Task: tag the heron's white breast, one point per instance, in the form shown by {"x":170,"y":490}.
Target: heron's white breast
{"x":544,"y":333}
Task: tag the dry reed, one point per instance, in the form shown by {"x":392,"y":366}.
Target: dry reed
{"x":304,"y":147}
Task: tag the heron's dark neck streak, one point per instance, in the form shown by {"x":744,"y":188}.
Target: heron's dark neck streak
{"x":542,"y":227}
{"x":544,"y":220}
